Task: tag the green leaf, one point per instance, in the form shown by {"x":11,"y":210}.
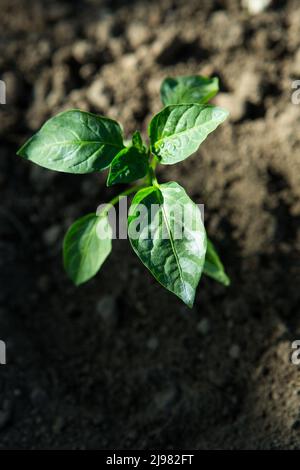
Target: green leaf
{"x":213,"y":266}
{"x":87,"y":244}
{"x":129,"y":165}
{"x":75,"y":142}
{"x":178,"y":130}
{"x":189,"y":89}
{"x":167,"y":233}
{"x":137,"y":141}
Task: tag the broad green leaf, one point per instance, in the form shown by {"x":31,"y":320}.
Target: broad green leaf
{"x":178,"y":130}
{"x":87,"y":244}
{"x":189,"y":89}
{"x":213,"y":266}
{"x":75,"y":142}
{"x":137,"y":141}
{"x":166,"y":232}
{"x":129,"y":165}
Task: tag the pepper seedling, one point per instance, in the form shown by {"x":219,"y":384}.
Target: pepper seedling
{"x":80,"y":142}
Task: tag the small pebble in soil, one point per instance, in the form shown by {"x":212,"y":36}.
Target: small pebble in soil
{"x":204,"y":326}
{"x":138,"y":33}
{"x":51,"y":235}
{"x":235,"y":105}
{"x":234,"y":351}
{"x":106,"y":307}
{"x":97,"y":94}
{"x":87,"y":71}
{"x":152,"y":343}
{"x":84,"y":51}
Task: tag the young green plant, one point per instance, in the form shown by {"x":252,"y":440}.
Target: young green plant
{"x":79,"y":142}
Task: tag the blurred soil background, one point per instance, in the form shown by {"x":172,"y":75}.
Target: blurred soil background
{"x":120,"y":363}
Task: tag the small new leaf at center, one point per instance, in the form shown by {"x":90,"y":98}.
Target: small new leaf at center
{"x":129,"y":165}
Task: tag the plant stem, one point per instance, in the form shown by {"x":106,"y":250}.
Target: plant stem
{"x":151,"y":171}
{"x":152,"y":177}
{"x":116,"y":199}
{"x":127,"y":192}
{"x":154,"y":162}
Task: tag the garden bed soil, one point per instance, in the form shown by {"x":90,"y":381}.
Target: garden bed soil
{"x":120,"y":363}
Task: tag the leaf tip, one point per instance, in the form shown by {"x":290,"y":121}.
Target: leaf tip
{"x":189,"y":299}
{"x":20,"y":152}
{"x":77,"y":282}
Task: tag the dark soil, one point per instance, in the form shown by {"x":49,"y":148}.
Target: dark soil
{"x":120,"y":362}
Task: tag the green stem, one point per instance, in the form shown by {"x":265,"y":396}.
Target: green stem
{"x":152,"y":177}
{"x":154,"y":162}
{"x":152,"y":180}
{"x":127,"y":192}
{"x":117,"y":198}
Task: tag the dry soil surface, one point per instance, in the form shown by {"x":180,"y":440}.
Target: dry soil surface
{"x":120,"y":362}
